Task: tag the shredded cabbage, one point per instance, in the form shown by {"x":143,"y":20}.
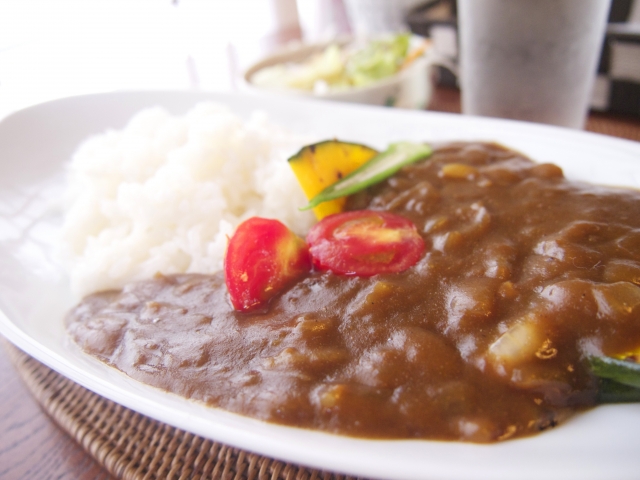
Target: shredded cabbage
{"x":337,"y":67}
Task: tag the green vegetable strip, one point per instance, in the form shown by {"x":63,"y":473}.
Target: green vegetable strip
{"x":621,"y":371}
{"x":610,"y":391}
{"x":374,"y":171}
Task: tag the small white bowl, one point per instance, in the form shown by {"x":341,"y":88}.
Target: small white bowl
{"x":411,"y":87}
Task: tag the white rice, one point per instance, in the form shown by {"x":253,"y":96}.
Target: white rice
{"x":163,"y":194}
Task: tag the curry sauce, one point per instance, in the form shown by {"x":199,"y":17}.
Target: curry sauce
{"x":525,"y":274}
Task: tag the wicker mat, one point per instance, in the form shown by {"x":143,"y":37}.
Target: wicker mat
{"x":132,"y":446}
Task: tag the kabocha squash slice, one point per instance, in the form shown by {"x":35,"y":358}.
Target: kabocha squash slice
{"x":380,"y":167}
{"x":322,"y":164}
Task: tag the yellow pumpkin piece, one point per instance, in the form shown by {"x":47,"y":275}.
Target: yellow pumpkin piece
{"x":322,"y":164}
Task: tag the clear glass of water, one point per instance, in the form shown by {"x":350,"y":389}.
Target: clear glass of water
{"x":532,"y":60}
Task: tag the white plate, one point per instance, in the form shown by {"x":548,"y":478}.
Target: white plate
{"x":34,"y":145}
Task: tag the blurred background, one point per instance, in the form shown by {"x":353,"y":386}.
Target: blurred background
{"x":57,"y":48}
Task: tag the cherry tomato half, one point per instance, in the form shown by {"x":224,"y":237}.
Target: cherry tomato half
{"x":263,"y":257}
{"x":364,"y":243}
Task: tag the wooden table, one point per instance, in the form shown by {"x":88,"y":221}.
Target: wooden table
{"x":32,"y":446}
{"x":446,"y":99}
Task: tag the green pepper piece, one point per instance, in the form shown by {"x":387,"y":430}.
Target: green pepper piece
{"x":610,"y":391}
{"x":380,"y":167}
{"x":622,"y":371}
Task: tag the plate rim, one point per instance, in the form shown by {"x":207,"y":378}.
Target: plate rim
{"x":50,"y":358}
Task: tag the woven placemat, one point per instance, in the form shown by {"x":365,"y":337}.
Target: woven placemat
{"x":132,"y":446}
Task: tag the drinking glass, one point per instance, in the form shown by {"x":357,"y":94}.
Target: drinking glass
{"x":531,"y":60}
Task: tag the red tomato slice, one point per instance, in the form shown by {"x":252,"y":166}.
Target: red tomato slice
{"x":262,"y":258}
{"x":364,"y":243}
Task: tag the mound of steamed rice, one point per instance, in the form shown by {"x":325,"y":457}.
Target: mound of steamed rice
{"x":163,"y":194}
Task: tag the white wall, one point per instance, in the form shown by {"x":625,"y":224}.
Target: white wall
{"x":55,"y":48}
